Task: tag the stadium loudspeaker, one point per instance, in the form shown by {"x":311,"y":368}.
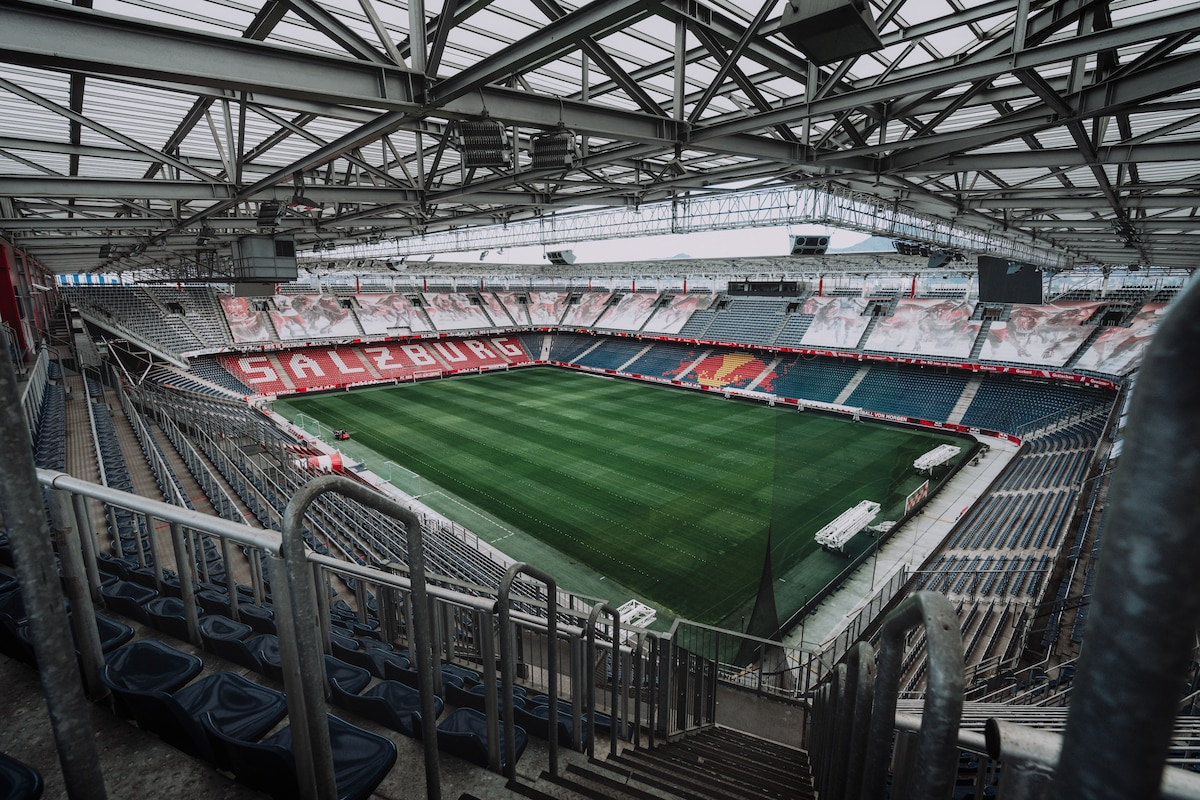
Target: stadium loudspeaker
{"x":1004,"y":281}
{"x":809,"y":245}
{"x":560,"y":258}
{"x":830,"y":30}
{"x":939,"y":260}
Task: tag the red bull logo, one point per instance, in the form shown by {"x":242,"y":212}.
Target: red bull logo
{"x":730,"y":369}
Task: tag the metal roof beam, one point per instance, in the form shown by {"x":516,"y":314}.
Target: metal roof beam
{"x":554,"y":11}
{"x":948,"y":73}
{"x":1058,"y":157}
{"x":1173,"y":76}
{"x":331,"y":26}
{"x":191,"y":191}
{"x":55,"y":36}
{"x":553,"y":40}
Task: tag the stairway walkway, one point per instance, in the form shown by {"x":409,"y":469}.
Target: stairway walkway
{"x":714,"y":764}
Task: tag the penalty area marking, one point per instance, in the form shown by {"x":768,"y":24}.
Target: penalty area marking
{"x":458,"y":502}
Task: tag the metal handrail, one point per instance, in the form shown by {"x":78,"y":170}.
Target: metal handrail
{"x":603,"y":608}
{"x":299,"y":645}
{"x":508,"y":664}
{"x":936,"y":759}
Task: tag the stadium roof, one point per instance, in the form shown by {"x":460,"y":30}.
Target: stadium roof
{"x":138,"y":135}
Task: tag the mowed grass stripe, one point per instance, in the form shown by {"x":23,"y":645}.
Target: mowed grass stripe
{"x":480,"y":448}
{"x":601,"y":481}
{"x":667,"y":492}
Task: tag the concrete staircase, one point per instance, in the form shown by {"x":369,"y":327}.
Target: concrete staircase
{"x":980,"y":340}
{"x":964,"y":400}
{"x":713,"y":764}
{"x":1083,"y":348}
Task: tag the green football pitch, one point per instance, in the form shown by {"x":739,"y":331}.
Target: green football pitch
{"x":622,"y":489}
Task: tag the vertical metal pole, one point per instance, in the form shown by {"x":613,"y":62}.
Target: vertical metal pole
{"x":860,"y":664}
{"x":508,"y":664}
{"x":187,"y":585}
{"x":299,"y":639}
{"x":42,"y":594}
{"x":230,"y":580}
{"x":144,"y":533}
{"x":665,"y":667}
{"x":581,"y":663}
{"x":485,"y":622}
{"x":937,"y":754}
{"x":639,"y":668}
{"x":111,"y":514}
{"x":83,"y":618}
{"x":597,"y":610}
{"x":1139,"y":636}
{"x":87,"y":544}
{"x":835,"y":760}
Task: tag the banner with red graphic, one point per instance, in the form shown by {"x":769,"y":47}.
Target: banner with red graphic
{"x":672,"y":318}
{"x":734,"y":370}
{"x":933,"y":327}
{"x":453,"y":311}
{"x":1047,"y":334}
{"x":837,"y":321}
{"x":329,"y":463}
{"x":630,"y":314}
{"x":321,"y":368}
{"x":1117,"y":350}
{"x":589,"y":308}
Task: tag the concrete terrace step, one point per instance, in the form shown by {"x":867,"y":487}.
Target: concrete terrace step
{"x":716,"y":775}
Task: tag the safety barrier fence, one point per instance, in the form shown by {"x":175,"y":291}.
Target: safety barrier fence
{"x":645,"y":681}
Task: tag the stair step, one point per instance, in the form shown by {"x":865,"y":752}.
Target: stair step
{"x":759,"y":767}
{"x":621,"y":786}
{"x":525,"y":790}
{"x":688,"y":776}
{"x":595,"y":786}
{"x":667,"y":784}
{"x":775,"y":749}
{"x":755,"y":778}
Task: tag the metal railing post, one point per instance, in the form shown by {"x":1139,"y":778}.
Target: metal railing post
{"x":860,"y":673}
{"x":74,"y":578}
{"x":597,"y":610}
{"x":87,"y":544}
{"x":937,"y":754}
{"x":508,"y":667}
{"x":185,"y":569}
{"x":303,"y":654}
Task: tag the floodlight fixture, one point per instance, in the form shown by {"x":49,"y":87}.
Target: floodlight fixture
{"x":484,"y":143}
{"x":554,"y":150}
{"x":906,"y":248}
{"x":269,"y":214}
